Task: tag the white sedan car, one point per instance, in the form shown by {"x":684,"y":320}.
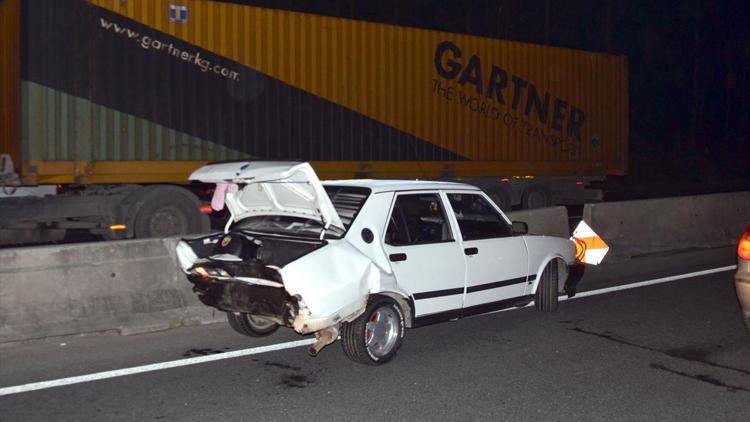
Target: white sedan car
{"x":363,"y":259}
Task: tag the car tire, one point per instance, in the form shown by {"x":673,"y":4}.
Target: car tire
{"x":747,"y":324}
{"x":376,"y":335}
{"x":250,"y":325}
{"x":545,"y":298}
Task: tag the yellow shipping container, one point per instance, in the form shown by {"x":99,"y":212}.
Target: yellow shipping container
{"x":139,"y":82}
{"x":143,"y":92}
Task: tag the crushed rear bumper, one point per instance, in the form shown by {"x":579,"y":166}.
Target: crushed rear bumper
{"x":236,"y":296}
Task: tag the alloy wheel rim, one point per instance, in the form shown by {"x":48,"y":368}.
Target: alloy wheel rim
{"x":381,"y":331}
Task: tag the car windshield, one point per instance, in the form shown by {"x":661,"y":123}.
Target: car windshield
{"x":285,"y":225}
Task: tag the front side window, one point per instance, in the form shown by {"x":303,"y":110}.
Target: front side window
{"x":417,"y":219}
{"x":477,"y":218}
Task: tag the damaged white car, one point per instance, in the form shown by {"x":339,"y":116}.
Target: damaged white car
{"x":363,"y":259}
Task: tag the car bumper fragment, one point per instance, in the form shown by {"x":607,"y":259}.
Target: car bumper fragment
{"x":237,"y":296}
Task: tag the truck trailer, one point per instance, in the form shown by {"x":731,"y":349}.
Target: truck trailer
{"x":108,"y":105}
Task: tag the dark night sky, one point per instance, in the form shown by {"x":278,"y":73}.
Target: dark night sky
{"x":689,"y":64}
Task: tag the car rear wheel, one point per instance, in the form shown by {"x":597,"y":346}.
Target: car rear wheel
{"x":375,"y":336}
{"x":250,"y":325}
{"x":545,"y":298}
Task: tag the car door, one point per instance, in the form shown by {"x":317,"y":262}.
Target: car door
{"x":496,"y":261}
{"x":425,"y":256}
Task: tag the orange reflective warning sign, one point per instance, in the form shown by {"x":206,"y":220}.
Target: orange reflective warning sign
{"x":590,"y":248}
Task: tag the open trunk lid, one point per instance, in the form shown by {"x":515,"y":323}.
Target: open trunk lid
{"x":254,"y":188}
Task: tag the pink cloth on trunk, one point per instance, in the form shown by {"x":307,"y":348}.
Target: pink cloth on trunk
{"x":217,"y":201}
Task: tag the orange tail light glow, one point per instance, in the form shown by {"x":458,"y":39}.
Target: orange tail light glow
{"x":743,"y":248}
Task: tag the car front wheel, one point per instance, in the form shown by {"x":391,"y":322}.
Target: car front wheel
{"x":250,"y":325}
{"x":545,"y":298}
{"x":375,"y":336}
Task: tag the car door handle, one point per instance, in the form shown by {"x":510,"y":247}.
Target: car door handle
{"x":396,"y":257}
{"x":471,"y":251}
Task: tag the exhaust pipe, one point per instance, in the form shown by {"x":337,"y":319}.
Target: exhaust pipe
{"x":325,"y":337}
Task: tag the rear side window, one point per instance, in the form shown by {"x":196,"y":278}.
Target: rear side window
{"x":477,"y":218}
{"x":417,"y":219}
{"x":347,"y":201}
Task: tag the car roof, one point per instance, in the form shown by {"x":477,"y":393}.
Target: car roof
{"x":393,"y":185}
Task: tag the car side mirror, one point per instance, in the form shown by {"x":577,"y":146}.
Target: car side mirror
{"x":519,"y":227}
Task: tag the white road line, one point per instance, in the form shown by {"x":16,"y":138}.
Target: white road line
{"x":292,"y":344}
{"x":635,"y":285}
{"x":649,"y":282}
{"x":150,"y":368}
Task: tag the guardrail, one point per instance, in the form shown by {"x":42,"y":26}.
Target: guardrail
{"x":633,"y":228}
{"x":552,"y":221}
{"x":126,"y":286}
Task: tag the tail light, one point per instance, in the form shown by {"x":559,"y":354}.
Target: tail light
{"x":743,"y":248}
{"x":206,"y":209}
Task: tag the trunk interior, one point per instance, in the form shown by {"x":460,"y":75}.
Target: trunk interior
{"x":241,"y":248}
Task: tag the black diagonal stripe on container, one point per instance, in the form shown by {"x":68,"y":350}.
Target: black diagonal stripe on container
{"x":68,"y":49}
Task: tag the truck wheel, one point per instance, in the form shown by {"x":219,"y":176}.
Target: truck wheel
{"x":536,"y":196}
{"x":545,"y":298}
{"x":250,"y":325}
{"x":168,"y":211}
{"x":500,"y":195}
{"x":375,"y":336}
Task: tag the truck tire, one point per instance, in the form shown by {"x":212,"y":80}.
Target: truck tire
{"x":500,"y":195}
{"x":168,"y":211}
{"x":375,"y":336}
{"x":252,"y":326}
{"x":545,"y":298}
{"x":536,"y":196}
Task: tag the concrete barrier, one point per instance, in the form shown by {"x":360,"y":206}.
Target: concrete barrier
{"x":128,"y":286}
{"x":669,"y":224}
{"x":552,"y":221}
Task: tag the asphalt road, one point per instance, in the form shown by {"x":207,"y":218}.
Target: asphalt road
{"x":671,"y":351}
